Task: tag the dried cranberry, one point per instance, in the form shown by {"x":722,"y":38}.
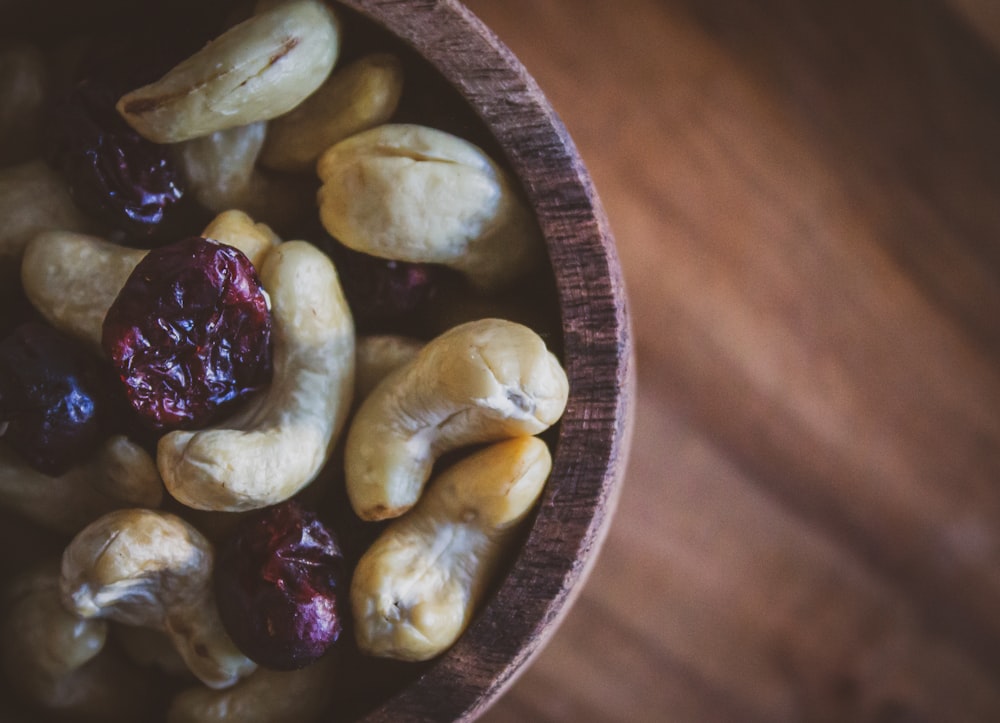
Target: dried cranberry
{"x":189,"y":333}
{"x":278,"y":582}
{"x":114,"y":174}
{"x":50,"y":397}
{"x":382,"y":292}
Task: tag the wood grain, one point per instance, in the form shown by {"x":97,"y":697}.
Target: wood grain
{"x":804,"y":196}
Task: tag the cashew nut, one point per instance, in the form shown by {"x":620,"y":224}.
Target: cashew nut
{"x":412,"y":193}
{"x":221,"y":170}
{"x":479,"y":382}
{"x":219,"y":166}
{"x":152,"y":569}
{"x":34,"y":198}
{"x":237,"y":229}
{"x":52,"y":639}
{"x":23,"y":85}
{"x":379,"y":355}
{"x":355,"y":98}
{"x":259,"y":69}
{"x":415,"y":589}
{"x":266,"y":696}
{"x":63,"y":504}
{"x":72,"y":278}
{"x":276,"y":447}
{"x":58,"y":661}
{"x":125,"y":472}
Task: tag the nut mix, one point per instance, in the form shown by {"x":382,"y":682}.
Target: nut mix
{"x":239,"y":475}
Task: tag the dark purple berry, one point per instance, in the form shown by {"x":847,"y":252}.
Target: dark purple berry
{"x":114,"y":174}
{"x":278,"y":583}
{"x":380,"y":291}
{"x":51,"y":399}
{"x":190,"y":333}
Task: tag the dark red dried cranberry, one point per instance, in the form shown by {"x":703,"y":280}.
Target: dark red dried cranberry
{"x":50,"y":397}
{"x":114,"y":174}
{"x":189,"y":333}
{"x":278,"y":583}
{"x":381,"y":292}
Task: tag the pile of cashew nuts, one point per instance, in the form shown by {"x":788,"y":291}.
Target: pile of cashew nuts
{"x":264,"y":101}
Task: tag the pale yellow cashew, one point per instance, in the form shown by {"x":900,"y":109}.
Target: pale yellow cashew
{"x":267,"y":696}
{"x":33,"y":199}
{"x":412,"y":193}
{"x":219,"y":167}
{"x":259,"y":69}
{"x":355,"y":98}
{"x":416,"y":588}
{"x":479,"y":382}
{"x":222,"y":173}
{"x":72,"y":278}
{"x":125,"y":472}
{"x":279,"y":444}
{"x":237,"y":229}
{"x":150,"y":568}
{"x":64,"y":504}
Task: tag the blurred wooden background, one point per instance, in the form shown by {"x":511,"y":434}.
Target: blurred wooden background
{"x":806,"y":197}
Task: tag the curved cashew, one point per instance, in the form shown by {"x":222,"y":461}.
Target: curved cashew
{"x":273,"y":449}
{"x":259,"y":69}
{"x":72,"y":278}
{"x":149,"y":568}
{"x":237,"y":229}
{"x":63,"y":504}
{"x":355,"y":98}
{"x":377,"y":356}
{"x":33,"y":199}
{"x":58,"y":661}
{"x":413,"y":193}
{"x":479,"y":382}
{"x":221,"y":170}
{"x":125,"y":472}
{"x":54,"y":641}
{"x":219,"y":166}
{"x":415,"y":589}
{"x":266,"y":696}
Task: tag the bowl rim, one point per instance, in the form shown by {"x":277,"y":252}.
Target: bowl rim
{"x":574,"y":514}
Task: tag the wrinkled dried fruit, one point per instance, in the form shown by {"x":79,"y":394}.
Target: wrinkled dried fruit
{"x":383,"y":292}
{"x":189,"y":333}
{"x":278,"y":583}
{"x":51,"y":399}
{"x":114,"y":174}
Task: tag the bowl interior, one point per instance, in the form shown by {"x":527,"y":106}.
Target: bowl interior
{"x":461,"y":79}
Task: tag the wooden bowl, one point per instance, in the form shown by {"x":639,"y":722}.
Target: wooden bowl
{"x":514,"y":122}
{"x":592,"y":441}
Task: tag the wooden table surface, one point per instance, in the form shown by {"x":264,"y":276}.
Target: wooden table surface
{"x":806,"y":198}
